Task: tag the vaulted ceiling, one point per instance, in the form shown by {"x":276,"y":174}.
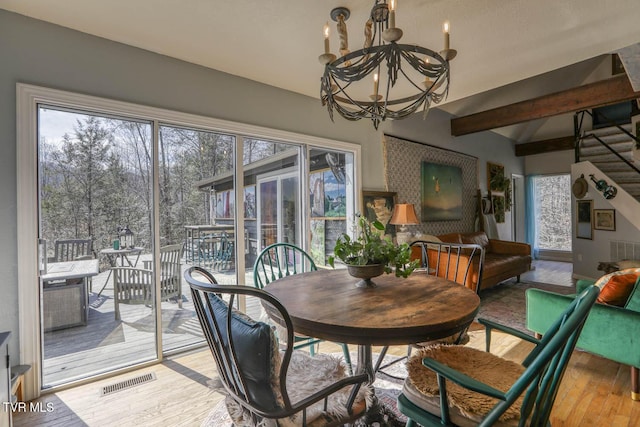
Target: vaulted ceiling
{"x":508,"y":51}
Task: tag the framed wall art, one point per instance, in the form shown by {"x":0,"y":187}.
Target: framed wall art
{"x":604,"y":219}
{"x":584,"y":219}
{"x":378,"y":205}
{"x":441,"y":192}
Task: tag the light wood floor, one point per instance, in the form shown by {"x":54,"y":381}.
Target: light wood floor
{"x":594,"y":392}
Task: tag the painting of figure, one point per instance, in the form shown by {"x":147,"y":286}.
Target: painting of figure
{"x":441,"y":192}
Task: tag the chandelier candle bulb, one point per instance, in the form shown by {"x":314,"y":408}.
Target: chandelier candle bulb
{"x":445,"y":30}
{"x":326,"y":38}
{"x":392,"y":14}
{"x":375,"y":85}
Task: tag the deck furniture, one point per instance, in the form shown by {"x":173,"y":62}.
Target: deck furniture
{"x":611,"y":332}
{"x":437,"y":393}
{"x":133,"y":285}
{"x":264,"y":385}
{"x":120,"y":258}
{"x":170,"y":272}
{"x":281,"y":260}
{"x":327,"y":304}
{"x":65,"y":293}
{"x":72,"y":249}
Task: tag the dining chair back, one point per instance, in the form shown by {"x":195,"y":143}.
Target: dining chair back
{"x":462,"y":263}
{"x":262,"y":383}
{"x":280,"y":260}
{"x":459,"y":262}
{"x":517,"y":394}
{"x":72,"y":249}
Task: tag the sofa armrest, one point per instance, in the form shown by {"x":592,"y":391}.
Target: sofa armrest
{"x":609,"y":331}
{"x":509,"y":248}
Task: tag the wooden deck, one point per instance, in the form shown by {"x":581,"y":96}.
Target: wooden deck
{"x":105,"y":343}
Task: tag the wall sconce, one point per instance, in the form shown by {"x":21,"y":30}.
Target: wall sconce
{"x":403,"y":215}
{"x":608,"y":191}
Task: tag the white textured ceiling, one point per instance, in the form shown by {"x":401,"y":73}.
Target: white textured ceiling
{"x":277,"y":42}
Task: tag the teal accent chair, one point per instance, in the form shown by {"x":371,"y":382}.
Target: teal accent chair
{"x":284,"y":259}
{"x":611,"y":332}
{"x":536,"y":380}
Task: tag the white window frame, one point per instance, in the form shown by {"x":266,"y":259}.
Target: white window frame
{"x":28,"y":97}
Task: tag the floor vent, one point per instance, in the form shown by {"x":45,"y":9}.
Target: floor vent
{"x":132,"y":382}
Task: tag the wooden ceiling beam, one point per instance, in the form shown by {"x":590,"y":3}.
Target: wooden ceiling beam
{"x":546,"y":146}
{"x":605,"y":92}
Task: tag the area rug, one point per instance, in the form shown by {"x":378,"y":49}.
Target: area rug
{"x":504,"y":303}
{"x":387,"y":390}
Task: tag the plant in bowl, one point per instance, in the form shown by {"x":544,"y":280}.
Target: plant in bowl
{"x":369,"y":254}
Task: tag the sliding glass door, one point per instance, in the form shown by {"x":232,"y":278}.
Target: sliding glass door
{"x":96,"y":228}
{"x":128,"y":197}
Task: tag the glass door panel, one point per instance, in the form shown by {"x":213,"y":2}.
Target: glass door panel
{"x":197,"y":225}
{"x":95,"y":217}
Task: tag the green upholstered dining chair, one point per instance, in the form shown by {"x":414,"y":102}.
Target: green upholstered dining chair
{"x":437,"y":388}
{"x":284,"y":259}
{"x":264,"y":385}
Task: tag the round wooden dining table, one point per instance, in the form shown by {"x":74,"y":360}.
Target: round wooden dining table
{"x":327,"y":304}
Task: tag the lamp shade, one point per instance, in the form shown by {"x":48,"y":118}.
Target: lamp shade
{"x":403,"y":214}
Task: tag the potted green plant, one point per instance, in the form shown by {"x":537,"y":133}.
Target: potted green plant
{"x":369,"y":254}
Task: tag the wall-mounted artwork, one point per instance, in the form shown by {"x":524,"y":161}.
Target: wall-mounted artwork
{"x":584,"y":219}
{"x":378,"y":205}
{"x":441,"y":192}
{"x":604,"y":219}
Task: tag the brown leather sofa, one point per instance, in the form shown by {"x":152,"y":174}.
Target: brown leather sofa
{"x":503,"y":259}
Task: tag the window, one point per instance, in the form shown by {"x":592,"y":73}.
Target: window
{"x":552,"y":206}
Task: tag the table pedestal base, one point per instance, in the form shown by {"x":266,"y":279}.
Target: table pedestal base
{"x":378,"y":414}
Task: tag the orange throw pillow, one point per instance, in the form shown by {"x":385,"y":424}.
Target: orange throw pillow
{"x":617,"y":289}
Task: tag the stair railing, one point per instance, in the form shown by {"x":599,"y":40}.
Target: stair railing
{"x":577,"y":124}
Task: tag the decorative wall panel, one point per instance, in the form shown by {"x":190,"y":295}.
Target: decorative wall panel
{"x":403,"y":160}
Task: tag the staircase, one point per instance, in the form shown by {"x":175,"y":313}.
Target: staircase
{"x":593,"y":151}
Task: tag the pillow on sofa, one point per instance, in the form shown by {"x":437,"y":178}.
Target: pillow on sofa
{"x":477,"y":238}
{"x":616,"y":287}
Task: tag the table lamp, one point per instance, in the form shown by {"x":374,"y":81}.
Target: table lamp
{"x":403,"y":215}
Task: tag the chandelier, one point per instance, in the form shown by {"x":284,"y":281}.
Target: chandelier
{"x":353,"y":84}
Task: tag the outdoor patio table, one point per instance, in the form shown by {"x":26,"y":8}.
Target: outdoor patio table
{"x":326,"y":304}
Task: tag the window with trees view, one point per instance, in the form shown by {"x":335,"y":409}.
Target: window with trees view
{"x":174,"y":187}
{"x":553,"y":212}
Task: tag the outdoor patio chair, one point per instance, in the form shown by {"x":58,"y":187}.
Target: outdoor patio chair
{"x":135,"y":285}
{"x":459,"y":262}
{"x":216,"y":250}
{"x":265,"y":386}
{"x":284,"y":259}
{"x":170,"y":272}
{"x":437,"y":389}
{"x":72,"y":249}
